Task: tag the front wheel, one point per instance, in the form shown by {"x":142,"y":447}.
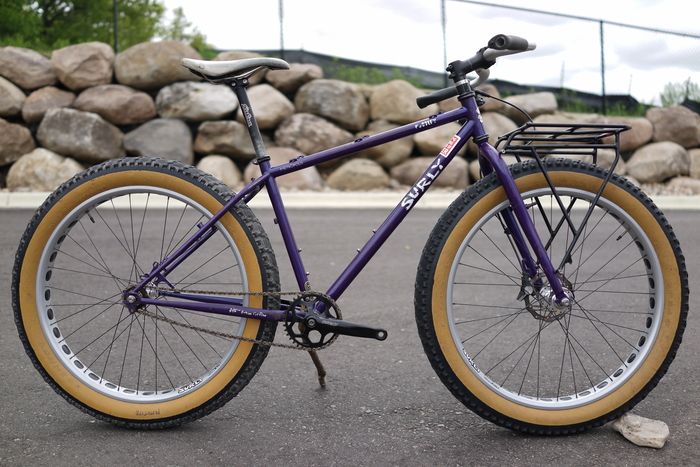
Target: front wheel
{"x":94,"y":238}
{"x":499,"y":342}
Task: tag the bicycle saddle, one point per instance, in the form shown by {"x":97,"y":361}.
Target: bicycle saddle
{"x":232,"y":68}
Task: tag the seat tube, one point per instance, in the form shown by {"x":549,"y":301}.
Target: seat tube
{"x":262,"y":159}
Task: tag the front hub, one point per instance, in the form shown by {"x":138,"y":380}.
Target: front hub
{"x":542,"y":303}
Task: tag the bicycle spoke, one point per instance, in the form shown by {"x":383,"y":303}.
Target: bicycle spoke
{"x":120,"y":320}
{"x":203,"y":263}
{"x":491,"y":326}
{"x":499,"y":249}
{"x":591,"y":342}
{"x":172,"y":237}
{"x":487,"y":270}
{"x":124,"y":246}
{"x":199,"y":282}
{"x":499,"y":269}
{"x":90,"y":305}
{"x":165,"y":223}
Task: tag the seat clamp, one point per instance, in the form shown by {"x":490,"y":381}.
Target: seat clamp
{"x":260,"y":160}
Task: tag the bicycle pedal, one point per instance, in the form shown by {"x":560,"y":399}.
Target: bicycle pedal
{"x":345,"y":328}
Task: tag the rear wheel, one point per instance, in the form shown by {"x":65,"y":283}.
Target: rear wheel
{"x":94,"y":238}
{"x":499,"y":342}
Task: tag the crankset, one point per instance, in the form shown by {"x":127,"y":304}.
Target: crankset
{"x":314,"y":321}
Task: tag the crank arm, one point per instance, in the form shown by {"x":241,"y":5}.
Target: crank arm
{"x":338,"y":326}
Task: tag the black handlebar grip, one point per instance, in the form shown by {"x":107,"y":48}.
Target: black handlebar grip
{"x":505,"y":42}
{"x":435,"y":97}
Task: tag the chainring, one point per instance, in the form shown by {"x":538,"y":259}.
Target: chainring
{"x":308,"y":303}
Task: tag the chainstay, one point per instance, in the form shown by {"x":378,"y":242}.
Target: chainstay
{"x":218,"y":333}
{"x":224,"y":334}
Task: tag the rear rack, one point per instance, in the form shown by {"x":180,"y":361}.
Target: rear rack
{"x":562,"y":139}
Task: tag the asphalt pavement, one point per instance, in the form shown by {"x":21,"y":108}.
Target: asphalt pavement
{"x":383,"y":404}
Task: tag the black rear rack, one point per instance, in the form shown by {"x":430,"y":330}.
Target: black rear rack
{"x":561,"y":139}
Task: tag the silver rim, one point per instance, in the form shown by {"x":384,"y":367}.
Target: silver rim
{"x":536,"y":356}
{"x":100,"y":248}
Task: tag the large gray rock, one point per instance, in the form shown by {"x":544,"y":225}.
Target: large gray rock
{"x":81,"y":66}
{"x":694,"y":155}
{"x":309,"y":133}
{"x":684,"y":185}
{"x":82,"y":135}
{"x":678,"y":124}
{"x":475,"y":167}
{"x":642,"y":431}
{"x":605,"y":159}
{"x":639,"y":134}
{"x":41,"y":170}
{"x":388,"y":154}
{"x":15,"y":140}
{"x":568,"y":117}
{"x":11,"y":98}
{"x":26,"y":68}
{"x":195,"y":101}
{"x":152,"y":65}
{"x":338,"y":101}
{"x":225,"y":137}
{"x":454,"y":176}
{"x":358,"y":175}
{"x":658,"y":161}
{"x":41,"y":100}
{"x":269,"y":106}
{"x":117,"y":104}
{"x":366,"y":89}
{"x":535,"y":104}
{"x":496,"y":125}
{"x":306,"y":179}
{"x":222,"y":168}
{"x":395,"y":101}
{"x":432,"y":141}
{"x":240,"y":54}
{"x":163,"y":137}
{"x":289,"y":81}
{"x":490,"y":105}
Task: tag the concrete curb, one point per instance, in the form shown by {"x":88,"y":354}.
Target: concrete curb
{"x":344,"y":200}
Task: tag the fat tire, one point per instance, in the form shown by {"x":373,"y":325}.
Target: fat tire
{"x":425,"y":281}
{"x":254,"y":231}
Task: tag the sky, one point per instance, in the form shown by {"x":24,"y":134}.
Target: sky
{"x":409,"y":33}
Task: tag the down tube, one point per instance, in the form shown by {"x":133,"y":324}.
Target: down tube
{"x":401,"y":210}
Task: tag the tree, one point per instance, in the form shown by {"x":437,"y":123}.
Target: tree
{"x":18,"y":24}
{"x":49,"y":24}
{"x":675,"y":93}
{"x":180,"y":29}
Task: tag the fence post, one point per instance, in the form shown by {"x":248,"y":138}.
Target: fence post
{"x":443,"y":16}
{"x":115,"y":25}
{"x":604,"y":108}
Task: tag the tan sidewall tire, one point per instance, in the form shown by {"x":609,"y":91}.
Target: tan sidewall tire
{"x":655,"y":359}
{"x":55,"y":368}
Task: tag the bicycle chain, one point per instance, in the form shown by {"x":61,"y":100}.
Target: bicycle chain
{"x":170,"y":321}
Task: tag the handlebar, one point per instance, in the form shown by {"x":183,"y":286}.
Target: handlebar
{"x":498,"y":46}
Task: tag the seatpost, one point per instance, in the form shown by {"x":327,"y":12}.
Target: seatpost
{"x":261,"y":157}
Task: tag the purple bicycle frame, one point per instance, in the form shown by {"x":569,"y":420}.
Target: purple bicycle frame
{"x":517,"y":220}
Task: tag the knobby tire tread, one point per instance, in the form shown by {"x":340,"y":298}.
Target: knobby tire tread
{"x":424,"y":286}
{"x":255,"y":232}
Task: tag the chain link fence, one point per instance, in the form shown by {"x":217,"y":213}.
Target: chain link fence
{"x":591,"y":64}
